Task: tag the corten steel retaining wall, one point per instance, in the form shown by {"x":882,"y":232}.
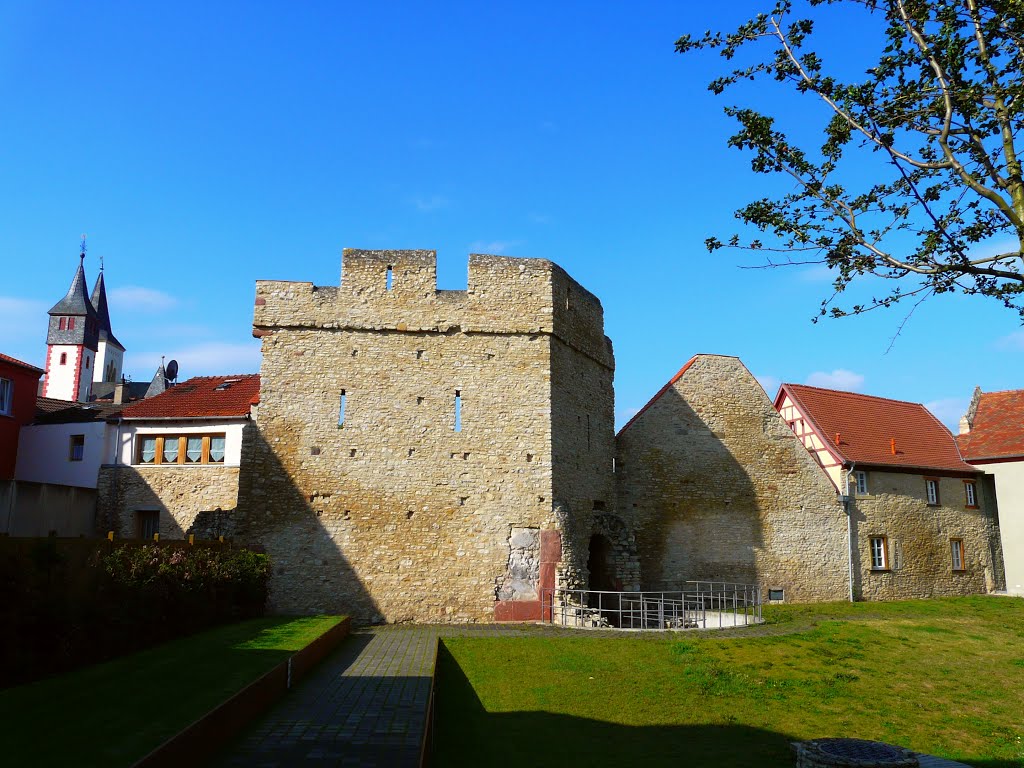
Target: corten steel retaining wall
{"x":197,"y":743}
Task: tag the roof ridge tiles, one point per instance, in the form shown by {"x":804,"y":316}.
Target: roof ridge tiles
{"x":855,"y":394}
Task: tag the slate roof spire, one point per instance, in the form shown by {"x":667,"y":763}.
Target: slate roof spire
{"x":99,"y":303}
{"x":75,"y":304}
{"x":159,"y":383}
{"x":77,"y":301}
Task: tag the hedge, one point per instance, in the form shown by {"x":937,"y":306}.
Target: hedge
{"x":65,"y":603}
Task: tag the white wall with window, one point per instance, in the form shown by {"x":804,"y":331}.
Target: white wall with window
{"x":179,"y":442}
{"x":63,"y":454}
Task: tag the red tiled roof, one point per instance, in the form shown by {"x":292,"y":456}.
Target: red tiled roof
{"x":19,"y":363}
{"x":866,"y":427}
{"x":998,"y":429}
{"x":202,"y":397}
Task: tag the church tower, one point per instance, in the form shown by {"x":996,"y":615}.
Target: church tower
{"x":71,"y":342}
{"x":110,"y":352}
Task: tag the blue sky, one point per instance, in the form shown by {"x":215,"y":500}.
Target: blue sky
{"x":204,"y":146}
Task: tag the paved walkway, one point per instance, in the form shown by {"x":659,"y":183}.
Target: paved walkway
{"x":365,"y":706}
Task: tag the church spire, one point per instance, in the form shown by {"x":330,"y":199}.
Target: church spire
{"x":76,"y":302}
{"x":99,"y":303}
{"x":71,"y":341}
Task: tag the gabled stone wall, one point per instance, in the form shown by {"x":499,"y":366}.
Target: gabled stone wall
{"x":717,"y":487}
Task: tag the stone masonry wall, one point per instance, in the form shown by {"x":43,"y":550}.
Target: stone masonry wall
{"x":718,"y":487}
{"x":918,"y":538}
{"x":583,"y":418}
{"x":392,"y":514}
{"x":179,"y":492}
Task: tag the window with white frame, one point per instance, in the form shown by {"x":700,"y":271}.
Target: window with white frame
{"x":879,"y":553}
{"x":6,"y":397}
{"x":862,"y":482}
{"x":956,"y":548}
{"x":971,"y":492}
{"x":931,"y":489}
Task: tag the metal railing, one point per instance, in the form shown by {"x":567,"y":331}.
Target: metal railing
{"x":702,"y":605}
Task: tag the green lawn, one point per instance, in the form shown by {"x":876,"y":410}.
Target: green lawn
{"x":944,"y":677}
{"x":112,"y":714}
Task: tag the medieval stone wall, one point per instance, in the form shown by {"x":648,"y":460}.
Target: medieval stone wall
{"x":918,"y":539}
{"x":388,"y":511}
{"x":717,"y":487}
{"x":180,"y":493}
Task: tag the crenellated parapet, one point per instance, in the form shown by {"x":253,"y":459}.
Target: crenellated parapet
{"x":396,"y":290}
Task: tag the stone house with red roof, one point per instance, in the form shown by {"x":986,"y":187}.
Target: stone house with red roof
{"x":992,"y":439}
{"x":176,"y":457}
{"x":718,"y":488}
{"x":922,"y":523}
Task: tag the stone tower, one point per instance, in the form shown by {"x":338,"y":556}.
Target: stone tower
{"x":425,"y":454}
{"x":110,"y":351}
{"x":71,"y":343}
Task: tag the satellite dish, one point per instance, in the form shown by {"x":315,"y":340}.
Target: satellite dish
{"x":172,"y":370}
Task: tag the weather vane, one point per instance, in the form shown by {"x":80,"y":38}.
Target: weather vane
{"x":82,"y":253}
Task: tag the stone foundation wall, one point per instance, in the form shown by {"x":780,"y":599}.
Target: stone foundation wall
{"x":918,"y":538}
{"x":393,"y":513}
{"x":717,"y":487}
{"x":180,"y":493}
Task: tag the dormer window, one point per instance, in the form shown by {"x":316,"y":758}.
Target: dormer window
{"x":226,"y":384}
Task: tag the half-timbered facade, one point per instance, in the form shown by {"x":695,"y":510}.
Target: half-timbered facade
{"x":921,"y":521}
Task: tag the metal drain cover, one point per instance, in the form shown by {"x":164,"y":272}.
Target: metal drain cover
{"x":853,"y":753}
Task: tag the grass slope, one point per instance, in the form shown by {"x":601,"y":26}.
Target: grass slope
{"x":944,"y":677}
{"x":112,"y":714}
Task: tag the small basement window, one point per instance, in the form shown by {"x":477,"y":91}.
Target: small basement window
{"x":776,"y":595}
{"x":147,"y":523}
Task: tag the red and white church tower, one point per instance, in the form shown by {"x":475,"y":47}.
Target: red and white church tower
{"x":72,"y":342}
